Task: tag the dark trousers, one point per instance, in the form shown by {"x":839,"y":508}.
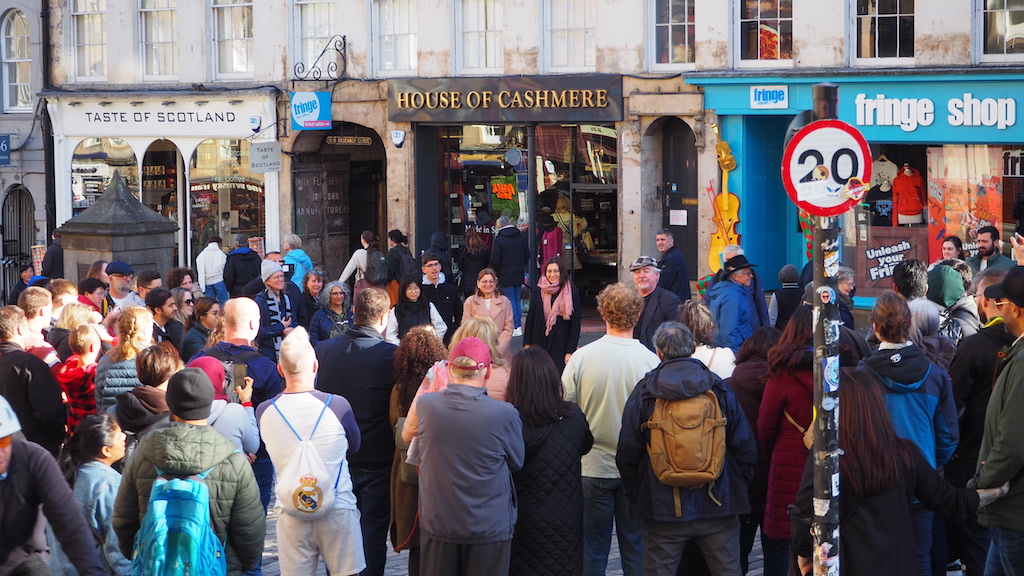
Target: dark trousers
{"x":373,"y":498}
{"x":716,"y":537}
{"x":967,"y":540}
{"x":923,"y":520}
{"x":445,"y":559}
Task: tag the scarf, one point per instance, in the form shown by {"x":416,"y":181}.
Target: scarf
{"x":562,"y":306}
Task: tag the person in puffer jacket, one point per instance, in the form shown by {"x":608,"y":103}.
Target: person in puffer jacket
{"x":116,"y":373}
{"x":919,"y":397}
{"x":188,"y":446}
{"x":709,"y":514}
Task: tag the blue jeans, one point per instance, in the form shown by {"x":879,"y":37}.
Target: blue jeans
{"x":512,"y":293}
{"x":373,"y":498}
{"x":605,"y":505}
{"x":923,"y":520}
{"x":1005,"y":553}
{"x":217,"y":291}
{"x":263,"y":469}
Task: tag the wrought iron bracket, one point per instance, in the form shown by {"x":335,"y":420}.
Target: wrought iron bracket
{"x":334,"y":55}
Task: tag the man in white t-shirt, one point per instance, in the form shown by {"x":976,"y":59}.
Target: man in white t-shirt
{"x":599,"y":378}
{"x":300,"y":411}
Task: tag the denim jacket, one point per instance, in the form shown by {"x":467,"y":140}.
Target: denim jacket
{"x":96,"y":486}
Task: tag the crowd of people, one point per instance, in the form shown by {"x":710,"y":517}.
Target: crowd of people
{"x":388,"y":408}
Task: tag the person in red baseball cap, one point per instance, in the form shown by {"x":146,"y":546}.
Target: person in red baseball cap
{"x":467,"y":445}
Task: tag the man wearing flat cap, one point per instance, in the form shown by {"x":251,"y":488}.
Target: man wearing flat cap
{"x":659,"y":304}
{"x":729,"y":305}
{"x":185,"y":447}
{"x":1002,"y":446}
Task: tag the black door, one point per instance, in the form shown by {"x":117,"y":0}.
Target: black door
{"x":19,"y":230}
{"x":320,"y":185}
{"x":679,"y":188}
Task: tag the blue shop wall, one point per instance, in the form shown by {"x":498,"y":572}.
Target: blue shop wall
{"x":769,"y":227}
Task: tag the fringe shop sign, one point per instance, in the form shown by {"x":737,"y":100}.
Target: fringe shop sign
{"x":592,"y":98}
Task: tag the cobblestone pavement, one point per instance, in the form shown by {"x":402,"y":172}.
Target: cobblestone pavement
{"x":397,"y":564}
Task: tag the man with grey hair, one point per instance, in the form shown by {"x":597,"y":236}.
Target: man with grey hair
{"x":674,"y":273}
{"x":755,"y":290}
{"x":509,"y":258}
{"x":670,"y":517}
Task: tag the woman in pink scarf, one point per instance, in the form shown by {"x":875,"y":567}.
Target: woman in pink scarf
{"x":553,"y":322}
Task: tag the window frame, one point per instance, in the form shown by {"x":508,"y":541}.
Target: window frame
{"x":651,"y":40}
{"x":459,"y":33}
{"x":8,"y":59}
{"x":979,"y":40}
{"x":548,"y":43}
{"x":376,"y":38}
{"x":74,"y":46}
{"x":226,"y":5}
{"x":143,"y":61}
{"x":298,"y":38}
{"x":737,"y":51}
{"x":874,"y":62}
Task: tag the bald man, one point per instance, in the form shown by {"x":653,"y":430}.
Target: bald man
{"x":241,"y":324}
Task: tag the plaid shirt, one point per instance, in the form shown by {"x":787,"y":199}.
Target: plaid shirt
{"x":79,"y":387}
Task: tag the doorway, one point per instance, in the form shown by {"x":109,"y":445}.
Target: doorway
{"x":19,"y":231}
{"x":679,"y":187}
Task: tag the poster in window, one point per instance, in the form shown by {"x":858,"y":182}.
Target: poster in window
{"x":965,"y":192}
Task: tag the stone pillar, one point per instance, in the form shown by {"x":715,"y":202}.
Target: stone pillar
{"x":118,"y":227}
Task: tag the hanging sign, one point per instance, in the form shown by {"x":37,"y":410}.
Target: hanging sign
{"x":311,"y":110}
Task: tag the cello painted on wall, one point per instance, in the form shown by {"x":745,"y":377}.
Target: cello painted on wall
{"x":725,"y":205}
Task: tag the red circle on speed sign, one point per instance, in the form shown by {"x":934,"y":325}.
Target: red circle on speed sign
{"x":826,"y":168}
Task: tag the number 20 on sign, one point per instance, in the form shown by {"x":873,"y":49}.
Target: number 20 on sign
{"x":826,"y":167}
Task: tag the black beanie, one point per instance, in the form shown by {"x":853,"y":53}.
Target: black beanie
{"x":190,"y":394}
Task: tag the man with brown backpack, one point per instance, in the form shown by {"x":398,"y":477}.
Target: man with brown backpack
{"x":686,"y":454}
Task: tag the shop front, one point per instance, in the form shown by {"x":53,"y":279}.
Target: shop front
{"x":184,"y":155}
{"x":946,"y":152}
{"x":519,"y":147}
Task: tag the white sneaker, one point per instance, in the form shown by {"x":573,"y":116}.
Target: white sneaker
{"x":517,"y":332}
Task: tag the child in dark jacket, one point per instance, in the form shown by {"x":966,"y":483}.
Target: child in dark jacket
{"x":77,"y":376}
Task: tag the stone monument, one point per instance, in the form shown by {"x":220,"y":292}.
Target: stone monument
{"x":118,"y":227}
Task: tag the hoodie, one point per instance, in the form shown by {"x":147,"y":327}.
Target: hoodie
{"x":919,"y":397}
{"x":242,"y":265}
{"x":302,"y":263}
{"x":141,"y":408}
{"x":649,"y":498}
{"x":730,"y":310}
{"x":237,"y":423}
{"x":908,"y":194}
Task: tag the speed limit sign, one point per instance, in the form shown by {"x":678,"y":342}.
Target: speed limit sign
{"x":826,"y":168}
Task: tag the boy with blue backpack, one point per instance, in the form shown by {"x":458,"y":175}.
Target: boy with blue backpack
{"x":188,"y":501}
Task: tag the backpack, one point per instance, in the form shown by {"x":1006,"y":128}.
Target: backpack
{"x":298,"y":492}
{"x":229,"y":361}
{"x":687,"y":442}
{"x":376,"y":272}
{"x":177,"y":536}
{"x":406,"y":265}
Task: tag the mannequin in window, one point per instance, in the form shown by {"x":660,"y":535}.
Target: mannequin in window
{"x":908,"y":196}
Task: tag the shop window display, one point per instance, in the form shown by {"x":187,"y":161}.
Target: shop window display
{"x":485,"y":174}
{"x":922,"y":194}
{"x":224,"y":197}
